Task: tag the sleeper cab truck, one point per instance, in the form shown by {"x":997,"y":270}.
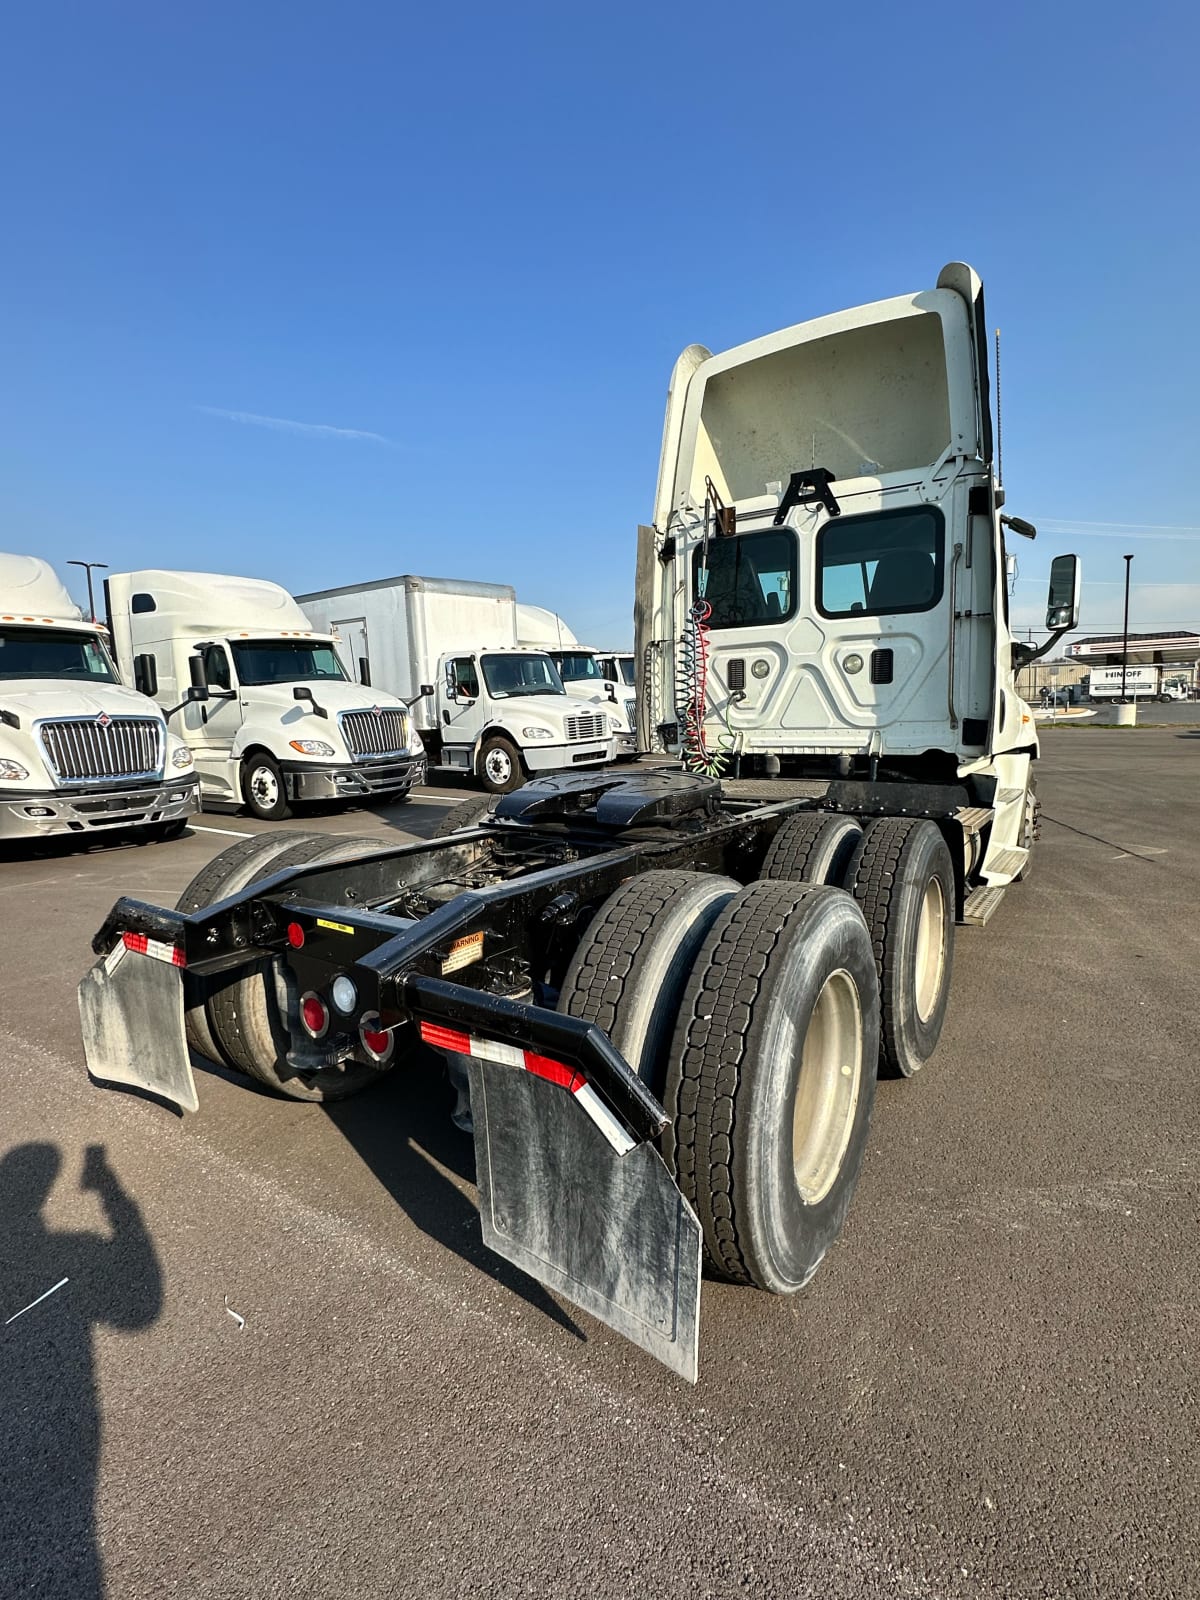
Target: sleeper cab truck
{"x":272,"y":720}
{"x":664,"y":994}
{"x":80,"y":753}
{"x":485,"y":706}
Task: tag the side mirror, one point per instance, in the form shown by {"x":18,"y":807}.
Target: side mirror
{"x":145,"y":674}
{"x":1062,"y":603}
{"x":301,"y":693}
{"x":196,"y":673}
{"x":197,"y":691}
{"x":411,"y":699}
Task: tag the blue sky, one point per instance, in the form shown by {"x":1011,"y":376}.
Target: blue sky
{"x":455,"y":250}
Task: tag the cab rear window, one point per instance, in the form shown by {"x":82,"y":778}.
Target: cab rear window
{"x":750,"y":579}
{"x":881,"y":566}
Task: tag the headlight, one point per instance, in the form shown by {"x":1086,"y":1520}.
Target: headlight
{"x":312,"y":747}
{"x":182,"y":757}
{"x":12,"y":772}
{"x":536,"y":733}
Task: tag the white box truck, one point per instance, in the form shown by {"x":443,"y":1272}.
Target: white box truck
{"x":483,"y":706}
{"x":279,"y":722}
{"x":79,"y":752}
{"x":1135,"y":683}
{"x":581,"y":670}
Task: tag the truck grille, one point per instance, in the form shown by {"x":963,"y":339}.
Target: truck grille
{"x":586,"y":727}
{"x":81,"y":748}
{"x":371,"y":734}
{"x":631,"y":713}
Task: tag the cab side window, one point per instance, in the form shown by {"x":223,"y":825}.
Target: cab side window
{"x":216,"y":667}
{"x":465,"y":678}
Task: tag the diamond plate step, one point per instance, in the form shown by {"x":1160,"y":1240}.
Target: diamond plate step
{"x":1008,"y":797}
{"x":982,"y":905}
{"x":974,"y":818}
{"x":1005,"y":863}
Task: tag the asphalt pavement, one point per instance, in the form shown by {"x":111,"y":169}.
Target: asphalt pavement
{"x":274,"y":1358}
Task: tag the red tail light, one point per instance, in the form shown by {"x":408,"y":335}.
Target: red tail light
{"x":295,"y":935}
{"x":314,"y":1014}
{"x":376,"y":1041}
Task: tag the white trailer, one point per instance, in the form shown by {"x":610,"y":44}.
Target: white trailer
{"x":1136,"y":683}
{"x":483,"y":704}
{"x":261,"y":698}
{"x":79,"y":752}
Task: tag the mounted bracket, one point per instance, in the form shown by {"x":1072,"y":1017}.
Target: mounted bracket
{"x":806,"y":489}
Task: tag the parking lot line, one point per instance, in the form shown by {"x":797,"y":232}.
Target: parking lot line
{"x":229,"y":833}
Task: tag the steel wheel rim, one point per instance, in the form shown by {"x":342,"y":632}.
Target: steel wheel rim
{"x":498,"y":766}
{"x":827,"y":1090}
{"x":930,"y":960}
{"x":264,"y":786}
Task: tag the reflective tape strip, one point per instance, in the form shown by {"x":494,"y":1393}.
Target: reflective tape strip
{"x":145,"y":946}
{"x":511,"y":1055}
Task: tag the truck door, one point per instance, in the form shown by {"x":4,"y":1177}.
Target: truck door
{"x":212,"y":725}
{"x":462,"y":707}
{"x":350,"y":641}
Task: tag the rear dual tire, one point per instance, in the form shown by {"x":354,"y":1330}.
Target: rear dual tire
{"x":754,"y":1014}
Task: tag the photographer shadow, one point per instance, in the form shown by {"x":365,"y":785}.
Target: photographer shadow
{"x":54,"y":1288}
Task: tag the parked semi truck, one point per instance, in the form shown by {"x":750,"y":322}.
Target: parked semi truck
{"x":273,"y":720}
{"x":80,"y":752}
{"x":484,"y":703}
{"x":1136,"y":683}
{"x":669,"y":991}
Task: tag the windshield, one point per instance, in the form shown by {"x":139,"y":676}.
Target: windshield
{"x":625,"y":663}
{"x":578,"y":667}
{"x":282,"y":661}
{"x":50,"y":654}
{"x":510,"y":675}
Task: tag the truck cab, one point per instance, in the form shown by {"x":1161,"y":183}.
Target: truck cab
{"x":583,"y":676}
{"x":277,"y":721}
{"x":80,"y":753}
{"x":506,"y":713}
{"x":823,"y":590}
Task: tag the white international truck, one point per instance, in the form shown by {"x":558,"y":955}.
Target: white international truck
{"x":79,"y":752}
{"x":1136,"y":683}
{"x":667,"y":993}
{"x":485,"y":705}
{"x":272,"y":719}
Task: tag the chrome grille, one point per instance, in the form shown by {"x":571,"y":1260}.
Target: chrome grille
{"x":631,"y":713}
{"x":82,"y":748}
{"x":368,"y":734}
{"x":587,"y":727}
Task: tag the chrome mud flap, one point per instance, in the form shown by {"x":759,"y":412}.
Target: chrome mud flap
{"x":609,"y":1232}
{"x":131,"y":1008}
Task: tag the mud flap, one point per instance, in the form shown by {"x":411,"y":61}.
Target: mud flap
{"x":611,"y":1233}
{"x":131,"y":1008}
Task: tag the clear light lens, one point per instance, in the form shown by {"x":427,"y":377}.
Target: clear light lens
{"x":312,"y":747}
{"x":12,"y":772}
{"x":761,"y":668}
{"x":345,"y":995}
{"x":852,"y":664}
{"x":182,"y":757}
{"x":536,"y":733}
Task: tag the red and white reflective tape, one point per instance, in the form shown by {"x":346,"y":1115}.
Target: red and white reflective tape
{"x":511,"y":1055}
{"x":143,"y":945}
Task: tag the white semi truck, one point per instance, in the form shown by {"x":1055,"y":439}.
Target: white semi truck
{"x":79,"y":752}
{"x":1136,"y":683}
{"x":485,"y":704}
{"x":668,"y":992}
{"x":273,"y":720}
{"x":582,"y":671}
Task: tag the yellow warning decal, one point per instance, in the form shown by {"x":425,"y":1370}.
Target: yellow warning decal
{"x":334,"y":927}
{"x":463,"y":952}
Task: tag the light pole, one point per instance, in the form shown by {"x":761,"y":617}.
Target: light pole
{"x":103,"y":565}
{"x":1125,"y":633}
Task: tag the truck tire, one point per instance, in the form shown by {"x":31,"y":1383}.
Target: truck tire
{"x":499,"y":765}
{"x":263,"y":789}
{"x":771,"y":1079}
{"x":1029,"y":829}
{"x":224,"y":875}
{"x":630,"y":968}
{"x":903,"y":878}
{"x":468,"y":814}
{"x":813,"y":847}
{"x":244,"y":1015}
